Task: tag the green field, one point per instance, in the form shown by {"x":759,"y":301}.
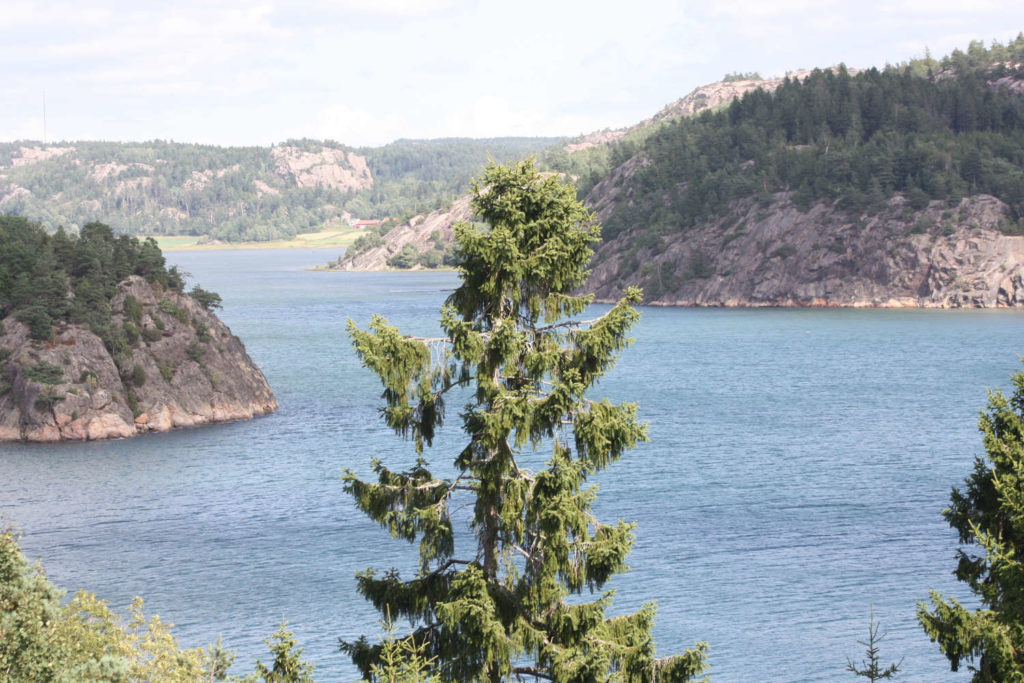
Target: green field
{"x":331,"y":238}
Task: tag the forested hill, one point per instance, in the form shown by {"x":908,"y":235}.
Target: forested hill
{"x":715,"y":208}
{"x":239,"y":193}
{"x":98,"y":339}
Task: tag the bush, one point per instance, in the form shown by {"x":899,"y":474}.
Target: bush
{"x":431,"y":259}
{"x":40,"y":323}
{"x":171,"y":308}
{"x":138,"y":375}
{"x":407,"y":258}
{"x":918,"y":198}
{"x":133,"y":309}
{"x":166,"y":370}
{"x":784,"y":252}
{"x":47,"y":399}
{"x":152,"y":334}
{"x":195,"y":351}
{"x":131,"y":334}
{"x":45,"y":373}
{"x":205,"y":298}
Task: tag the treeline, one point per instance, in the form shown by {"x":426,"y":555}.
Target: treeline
{"x":234,"y":193}
{"x":416,"y":176}
{"x":163,"y":188}
{"x":931,"y":130}
{"x":48,"y":279}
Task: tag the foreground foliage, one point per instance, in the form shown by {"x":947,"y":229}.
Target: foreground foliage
{"x":42,"y":641}
{"x":514,"y":342}
{"x":989,"y":517}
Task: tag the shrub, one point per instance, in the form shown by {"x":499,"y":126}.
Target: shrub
{"x":407,"y":258}
{"x":166,"y":370}
{"x":131,"y":334}
{"x":39,"y":321}
{"x":784,"y":252}
{"x":171,"y":308}
{"x":195,"y":351}
{"x":138,"y":375}
{"x":133,"y":309}
{"x":47,"y":398}
{"x":152,"y":334}
{"x":205,"y":298}
{"x":45,"y":373}
{"x":133,"y":402}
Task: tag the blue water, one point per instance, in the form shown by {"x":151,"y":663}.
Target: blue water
{"x":798,"y":464}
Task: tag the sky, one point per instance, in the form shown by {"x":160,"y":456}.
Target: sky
{"x":367,"y":72}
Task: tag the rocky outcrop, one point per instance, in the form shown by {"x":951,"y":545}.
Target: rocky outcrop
{"x":185,"y":369}
{"x":422,"y":232}
{"x":329,"y":168}
{"x":778,"y":255}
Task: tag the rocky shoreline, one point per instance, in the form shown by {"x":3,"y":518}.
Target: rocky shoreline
{"x":184,"y":369}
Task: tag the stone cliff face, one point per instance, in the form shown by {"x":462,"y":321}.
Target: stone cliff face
{"x":416,"y":232}
{"x":781,"y":256}
{"x":186,"y":369}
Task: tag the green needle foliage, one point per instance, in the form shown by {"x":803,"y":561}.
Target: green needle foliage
{"x":989,"y":517}
{"x":871,"y":667}
{"x":513,"y":341}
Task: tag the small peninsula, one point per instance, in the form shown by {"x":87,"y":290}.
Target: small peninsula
{"x":99,"y":340}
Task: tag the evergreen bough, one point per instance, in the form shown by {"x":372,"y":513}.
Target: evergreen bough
{"x":512,"y":334}
{"x":989,"y":517}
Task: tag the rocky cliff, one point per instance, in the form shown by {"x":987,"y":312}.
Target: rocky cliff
{"x":185,"y":368}
{"x":779,"y":255}
{"x":421,"y":232}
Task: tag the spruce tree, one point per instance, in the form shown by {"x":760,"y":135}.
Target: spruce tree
{"x":989,"y":517}
{"x":513,"y":340}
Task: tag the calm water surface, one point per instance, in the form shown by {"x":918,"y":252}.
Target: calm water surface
{"x":798,"y":465}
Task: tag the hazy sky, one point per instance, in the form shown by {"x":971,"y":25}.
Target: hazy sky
{"x":365,"y":72}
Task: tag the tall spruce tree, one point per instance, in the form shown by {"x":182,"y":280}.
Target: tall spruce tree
{"x":989,"y":517}
{"x":502,"y":609}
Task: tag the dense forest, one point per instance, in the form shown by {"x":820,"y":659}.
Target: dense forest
{"x":929,"y":129}
{"x":47,"y":279}
{"x":238,"y":193}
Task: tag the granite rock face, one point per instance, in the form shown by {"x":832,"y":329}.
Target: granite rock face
{"x":185,"y":369}
{"x":421,"y":232}
{"x":779,"y":255}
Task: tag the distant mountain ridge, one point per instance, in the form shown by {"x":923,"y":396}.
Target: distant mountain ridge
{"x":239,"y":193}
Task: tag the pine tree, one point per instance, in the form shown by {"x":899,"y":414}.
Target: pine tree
{"x":989,"y":517}
{"x":513,"y":336}
{"x":871,"y":667}
{"x":288,"y":666}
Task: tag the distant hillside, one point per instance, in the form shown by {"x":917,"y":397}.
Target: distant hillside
{"x":901,"y":186}
{"x":239,"y":193}
{"x":929,"y":138}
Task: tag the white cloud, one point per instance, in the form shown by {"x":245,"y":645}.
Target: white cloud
{"x":351,"y":125}
{"x":396,"y":8}
{"x":494,"y":116}
{"x":28,"y":128}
